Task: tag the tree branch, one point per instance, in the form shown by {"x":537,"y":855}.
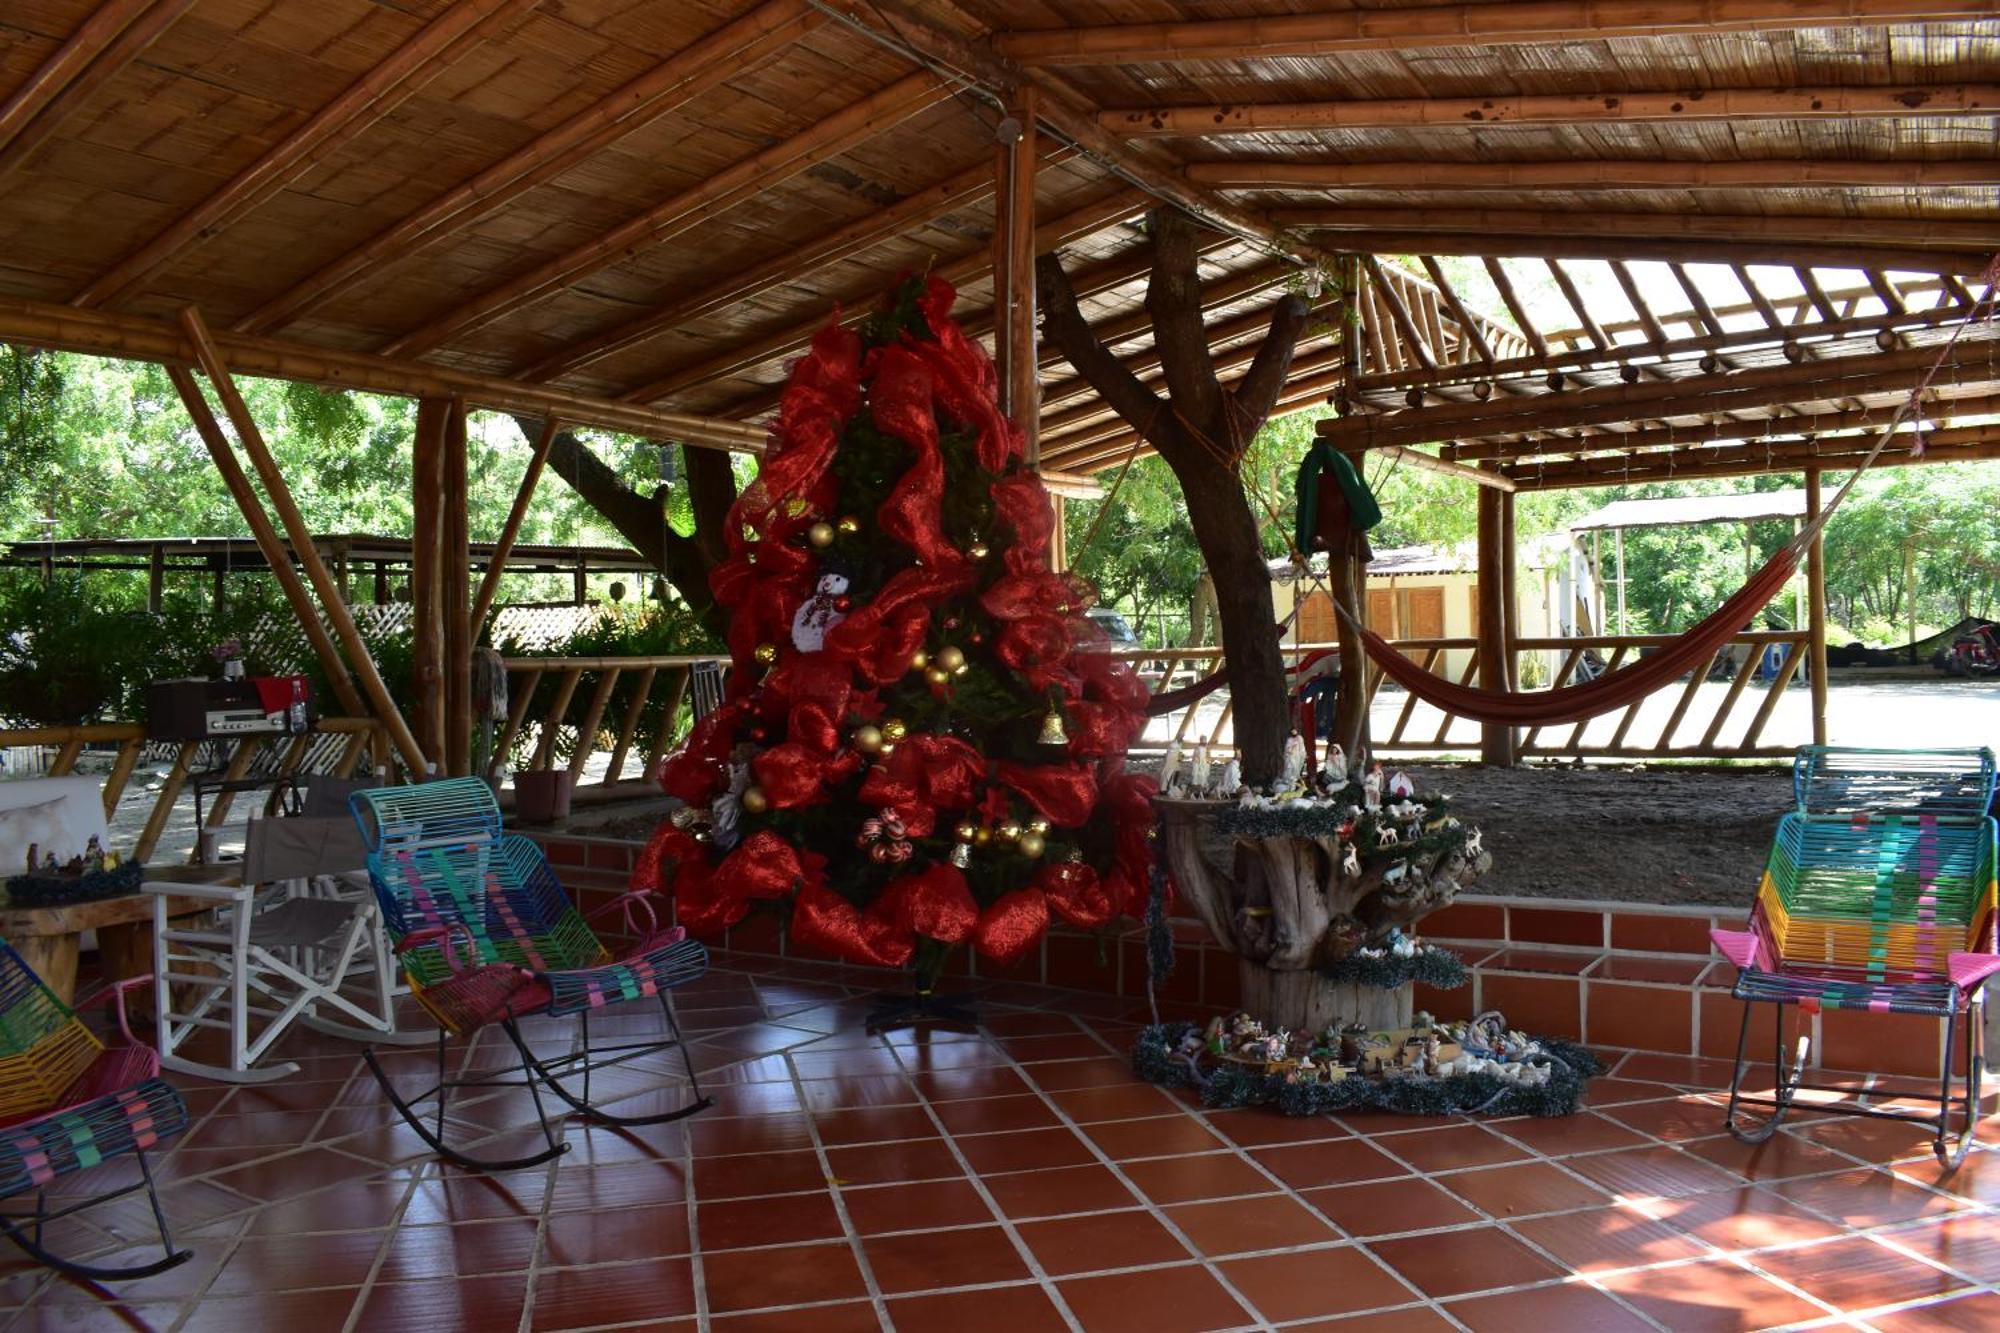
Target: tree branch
{"x":1257,"y":392}
{"x":1173,"y":300}
{"x":711,"y":483}
{"x":1065,"y":326}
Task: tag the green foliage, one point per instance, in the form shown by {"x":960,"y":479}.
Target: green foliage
{"x":65,"y":660}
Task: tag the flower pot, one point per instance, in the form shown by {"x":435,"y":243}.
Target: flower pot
{"x":542,"y":796}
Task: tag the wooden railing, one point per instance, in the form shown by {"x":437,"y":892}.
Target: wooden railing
{"x":1672,"y":722}
{"x":633,"y":708}
{"x":337,"y":747}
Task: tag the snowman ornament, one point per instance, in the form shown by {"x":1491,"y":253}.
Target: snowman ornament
{"x":821,"y":612}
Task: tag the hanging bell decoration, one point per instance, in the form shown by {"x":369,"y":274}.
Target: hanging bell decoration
{"x":1052,"y":730}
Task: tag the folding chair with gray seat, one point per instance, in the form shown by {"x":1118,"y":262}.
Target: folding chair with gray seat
{"x":298,"y":940}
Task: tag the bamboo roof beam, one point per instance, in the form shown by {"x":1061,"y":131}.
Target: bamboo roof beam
{"x":1952,"y":445}
{"x":1612,"y":106}
{"x":1432,"y":463}
{"x":1574,"y":299}
{"x":1406,"y":328}
{"x":1640,"y":310}
{"x":1474,"y":328}
{"x":976,"y":263}
{"x":103,"y":44}
{"x":137,"y":338}
{"x":1579,"y":358}
{"x":1594,"y":174}
{"x":1407,"y":29}
{"x":1599,"y":230}
{"x":1558,"y":243}
{"x":1505,"y":286}
{"x":1973,"y":360}
{"x":728,"y":51}
{"x":1892,"y":298}
{"x":455,"y":33}
{"x":1758,"y":301}
{"x":1708,"y":432}
{"x":961,"y":190}
{"x":839,"y":133}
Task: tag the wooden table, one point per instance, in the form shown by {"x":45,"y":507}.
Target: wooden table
{"x":47,"y":938}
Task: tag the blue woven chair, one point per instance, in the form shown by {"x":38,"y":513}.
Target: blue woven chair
{"x":67,"y":1104}
{"x":1879,"y":896}
{"x":487,"y":935}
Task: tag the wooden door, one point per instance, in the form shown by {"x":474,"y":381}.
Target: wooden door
{"x":1422,"y":611}
{"x":1382,"y":613}
{"x":1318,"y":622}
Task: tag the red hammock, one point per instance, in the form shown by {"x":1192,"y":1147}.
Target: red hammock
{"x":1574,"y":703}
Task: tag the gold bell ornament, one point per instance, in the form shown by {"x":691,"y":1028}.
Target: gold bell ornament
{"x":1052,"y":730}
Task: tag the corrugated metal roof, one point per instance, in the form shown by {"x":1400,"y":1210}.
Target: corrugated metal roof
{"x":1673,"y":511}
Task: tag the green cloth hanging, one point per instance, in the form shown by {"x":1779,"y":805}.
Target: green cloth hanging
{"x":1362,"y":511}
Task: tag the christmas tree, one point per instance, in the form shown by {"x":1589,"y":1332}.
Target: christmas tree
{"x":918,"y":747}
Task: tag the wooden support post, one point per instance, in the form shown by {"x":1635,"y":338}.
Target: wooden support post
{"x":196,"y":331}
{"x":1014,"y":289}
{"x":1816,"y":610}
{"x":1059,"y":539}
{"x":489,"y":586}
{"x":156,"y":578}
{"x":455,"y":573}
{"x":426,"y":551}
{"x":1510,"y":590}
{"x":1496,"y":743}
{"x":1618,"y":545}
{"x":1347,"y":573}
{"x":268,"y":541}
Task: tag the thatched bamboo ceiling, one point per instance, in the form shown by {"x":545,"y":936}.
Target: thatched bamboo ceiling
{"x":655,"y":202}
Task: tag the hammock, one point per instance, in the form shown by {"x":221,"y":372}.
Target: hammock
{"x":1574,"y":703}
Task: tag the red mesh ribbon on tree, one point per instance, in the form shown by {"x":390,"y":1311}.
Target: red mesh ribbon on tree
{"x":1063,"y":793}
{"x":900,"y":398}
{"x":823,"y":392}
{"x":763,"y":865}
{"x":1010,"y":927}
{"x":935,"y":902}
{"x":1075,"y":894}
{"x":824,"y":921}
{"x":967,"y":387}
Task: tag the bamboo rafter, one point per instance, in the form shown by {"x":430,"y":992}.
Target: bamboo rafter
{"x":112,"y":37}
{"x":770,"y":28}
{"x":454,"y":34}
{"x":1404,"y":29}
{"x":831,"y":137}
{"x":1611,"y":105}
{"x":1762,"y":174}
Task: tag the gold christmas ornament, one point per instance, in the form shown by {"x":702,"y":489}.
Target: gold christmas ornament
{"x":1052,"y":730}
{"x":951,"y":657}
{"x":1038,"y":826}
{"x":894,"y":730}
{"x":754,"y":800}
{"x":868,"y":739}
{"x":820,"y":533}
{"x":982,"y":837}
{"x":1031,"y":845}
{"x":978,"y":550}
{"x":1009,"y":831}
{"x":919,"y":660}
{"x":848,"y":525}
{"x":966,"y":832}
{"x":937,"y":675}
{"x":766,"y":653}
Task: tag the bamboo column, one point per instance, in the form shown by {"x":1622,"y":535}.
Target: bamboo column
{"x":489,"y":586}
{"x":1816,"y":610}
{"x":1510,"y":590}
{"x":268,"y":541}
{"x":1347,"y":574}
{"x":1025,"y":397}
{"x":426,"y":552}
{"x":300,"y":536}
{"x":455,"y":571}
{"x":1496,"y":743}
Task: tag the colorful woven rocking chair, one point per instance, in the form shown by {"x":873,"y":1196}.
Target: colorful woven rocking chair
{"x":68,"y":1104}
{"x":487,"y":936}
{"x":1879,"y":896}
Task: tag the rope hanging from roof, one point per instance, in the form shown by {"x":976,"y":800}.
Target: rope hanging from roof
{"x":1691,"y":650}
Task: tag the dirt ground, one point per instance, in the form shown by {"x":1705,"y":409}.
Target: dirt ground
{"x":1659,"y":835}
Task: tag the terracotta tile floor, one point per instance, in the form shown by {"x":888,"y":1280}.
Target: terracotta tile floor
{"x":1021,"y":1180}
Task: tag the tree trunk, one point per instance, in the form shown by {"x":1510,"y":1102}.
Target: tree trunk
{"x":641,"y":519}
{"x":1308,"y":1002}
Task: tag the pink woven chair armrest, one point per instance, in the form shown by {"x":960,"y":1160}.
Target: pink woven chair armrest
{"x":1745,"y":948}
{"x":630,"y":904}
{"x":443,"y":935}
{"x":1968,"y":970}
{"x":115,"y":991}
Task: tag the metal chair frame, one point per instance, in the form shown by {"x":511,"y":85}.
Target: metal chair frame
{"x":1814,"y":945}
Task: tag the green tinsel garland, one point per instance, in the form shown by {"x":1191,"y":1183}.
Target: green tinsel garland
{"x":1431,"y":965}
{"x":1227,"y":1085}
